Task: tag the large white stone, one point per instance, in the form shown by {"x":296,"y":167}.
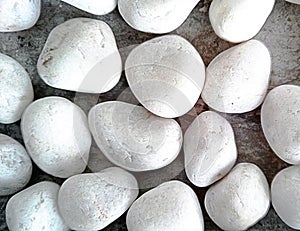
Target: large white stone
{"x":81,"y":55}
{"x":209,"y":149}
{"x":238,"y":78}
{"x":171,"y":206}
{"x":156,"y":16}
{"x":239,"y":20}
{"x":15,"y":166}
{"x":56,"y":135}
{"x":239,"y":200}
{"x":94,"y":7}
{"x":166,"y":74}
{"x":35,"y":208}
{"x":92,"y":201}
{"x":280,"y":120}
{"x":132,"y":137}
{"x":285,"y":191}
{"x":294,"y":1}
{"x":17,"y":15}
{"x":16,"y":90}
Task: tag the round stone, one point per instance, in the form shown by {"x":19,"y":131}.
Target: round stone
{"x":56,"y":136}
{"x":15,"y":166}
{"x":94,"y":7}
{"x":16,"y":90}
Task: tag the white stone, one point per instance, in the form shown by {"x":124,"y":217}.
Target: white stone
{"x":156,"y":16}
{"x":94,"y":7}
{"x":17,"y":15}
{"x":15,"y":166}
{"x":56,"y":136}
{"x":280,"y":120}
{"x":81,"y":55}
{"x":285,"y":191}
{"x":294,"y":1}
{"x":239,"y":200}
{"x":35,"y":208}
{"x":239,"y":20}
{"x":16,"y":90}
{"x":166,"y":74}
{"x":209,"y":149}
{"x":172,"y":206}
{"x":238,"y":78}
{"x":133,"y":138}
{"x":91,"y":201}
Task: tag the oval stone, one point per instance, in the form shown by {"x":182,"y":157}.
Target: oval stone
{"x":209,"y":149}
{"x":166,"y":74}
{"x":56,"y":136}
{"x":92,"y":201}
{"x":133,"y":138}
{"x":94,"y":7}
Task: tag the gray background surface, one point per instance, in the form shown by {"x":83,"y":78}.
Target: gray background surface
{"x":281,"y":34}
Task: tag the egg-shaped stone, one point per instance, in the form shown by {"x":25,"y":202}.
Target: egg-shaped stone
{"x":132,"y":137}
{"x":156,"y":16}
{"x":237,"y":79}
{"x":15,"y":166}
{"x":232,"y":21}
{"x":35,"y":208}
{"x":280,"y":120}
{"x":81,"y":55}
{"x":166,"y":74}
{"x":94,"y":7}
{"x":240,"y":199}
{"x":171,"y":206}
{"x":294,"y":1}
{"x":91,"y":201}
{"x":16,"y":90}
{"x":285,"y":191}
{"x":17,"y":15}
{"x":209,"y":149}
{"x":56,"y":136}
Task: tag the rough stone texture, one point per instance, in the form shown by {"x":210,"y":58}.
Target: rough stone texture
{"x":280,"y":34}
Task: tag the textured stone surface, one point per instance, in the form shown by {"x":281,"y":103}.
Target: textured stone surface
{"x":280,"y":34}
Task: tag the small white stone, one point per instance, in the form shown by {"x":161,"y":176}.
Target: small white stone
{"x":285,"y":190}
{"x":81,"y":55}
{"x":35,"y":208}
{"x":294,"y":1}
{"x":238,"y":78}
{"x":172,"y":206}
{"x":239,"y":20}
{"x":239,"y":200}
{"x":15,"y":166}
{"x":166,"y":74}
{"x":17,"y":15}
{"x":209,"y":149}
{"x":56,"y":135}
{"x":133,"y":138}
{"x":94,"y":7}
{"x":92,"y":201}
{"x":16,"y":90}
{"x":156,"y":16}
{"x":280,"y":120}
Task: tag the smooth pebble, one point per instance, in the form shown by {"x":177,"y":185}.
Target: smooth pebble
{"x":209,"y":149}
{"x":285,"y":191}
{"x":56,"y":134}
{"x":81,"y":55}
{"x":294,"y":1}
{"x":16,"y":90}
{"x":156,"y":16}
{"x":239,"y":20}
{"x":94,"y":7}
{"x":18,"y":15}
{"x":239,"y":200}
{"x":171,"y":206}
{"x":133,"y":138}
{"x":238,"y":78}
{"x":280,"y":120}
{"x":166,"y":74}
{"x":91,"y":201}
{"x":35,"y":208}
{"x":15,"y":166}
